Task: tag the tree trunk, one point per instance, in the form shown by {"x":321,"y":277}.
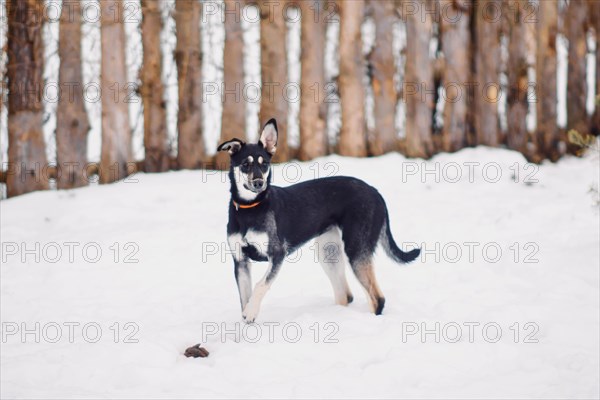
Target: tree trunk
{"x":456,"y":46}
{"x":273,"y":67}
{"x":518,"y":82}
{"x":233,"y":120}
{"x":155,"y":116}
{"x":418,"y":84}
{"x":487,"y":77}
{"x":576,"y":27}
{"x":116,"y":135}
{"x":352,"y":141}
{"x":188,"y":56}
{"x":72,"y":124}
{"x":383,"y":68}
{"x":313,"y":109}
{"x":26,"y":148}
{"x":547,"y":137}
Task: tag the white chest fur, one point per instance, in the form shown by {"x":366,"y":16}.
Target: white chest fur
{"x":258,"y":240}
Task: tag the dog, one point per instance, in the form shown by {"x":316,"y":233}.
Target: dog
{"x":267,"y":222}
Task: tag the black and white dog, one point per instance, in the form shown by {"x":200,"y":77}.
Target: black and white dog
{"x":268,"y":222}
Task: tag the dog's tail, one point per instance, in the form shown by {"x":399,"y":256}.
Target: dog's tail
{"x":392,"y":249}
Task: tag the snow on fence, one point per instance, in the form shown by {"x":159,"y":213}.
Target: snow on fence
{"x":357,"y":78}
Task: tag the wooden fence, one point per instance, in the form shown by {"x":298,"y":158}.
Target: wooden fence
{"x":470,"y":73}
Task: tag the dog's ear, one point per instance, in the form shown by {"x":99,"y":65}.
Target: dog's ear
{"x":268,"y":137}
{"x":231,"y":146}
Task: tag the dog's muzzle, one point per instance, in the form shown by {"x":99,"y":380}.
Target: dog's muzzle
{"x":257,"y":185}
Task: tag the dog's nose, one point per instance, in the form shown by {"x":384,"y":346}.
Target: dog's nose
{"x":258,"y":183}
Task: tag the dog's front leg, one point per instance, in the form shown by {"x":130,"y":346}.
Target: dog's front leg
{"x":243,"y":278}
{"x":250,"y":312}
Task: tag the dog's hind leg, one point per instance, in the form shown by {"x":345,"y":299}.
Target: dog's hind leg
{"x":366,"y":276}
{"x":360,"y":232}
{"x":331,"y":257}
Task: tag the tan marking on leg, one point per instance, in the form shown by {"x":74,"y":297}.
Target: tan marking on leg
{"x":366,"y":276}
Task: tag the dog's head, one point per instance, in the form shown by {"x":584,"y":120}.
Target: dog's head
{"x":251,"y":163}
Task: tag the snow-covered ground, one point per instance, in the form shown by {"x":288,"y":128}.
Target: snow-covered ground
{"x":503,"y":303}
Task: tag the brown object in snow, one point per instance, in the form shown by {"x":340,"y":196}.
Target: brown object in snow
{"x":196,"y":351}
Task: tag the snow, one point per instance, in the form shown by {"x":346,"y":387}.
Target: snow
{"x":179,"y":291}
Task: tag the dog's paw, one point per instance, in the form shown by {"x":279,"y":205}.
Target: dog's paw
{"x":248,"y":320}
{"x":250,"y":313}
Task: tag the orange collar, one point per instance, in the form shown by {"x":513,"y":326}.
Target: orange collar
{"x":238,"y":206}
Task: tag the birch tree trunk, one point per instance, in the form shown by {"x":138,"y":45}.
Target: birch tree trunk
{"x":72,"y":124}
{"x":188,"y":56}
{"x":152,"y":91}
{"x":418,"y":83}
{"x":518,"y":83}
{"x":26,"y":147}
{"x":456,"y":46}
{"x":488,"y":16}
{"x":576,"y":27}
{"x":547,"y":137}
{"x":116,"y":135}
{"x":233,"y":122}
{"x":313,"y":109}
{"x":273,"y":67}
{"x":383,"y":139}
{"x":352,"y":141}
{"x":595,"y":129}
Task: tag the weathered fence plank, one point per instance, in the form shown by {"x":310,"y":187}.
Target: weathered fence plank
{"x":188,"y":56}
{"x":26,"y":147}
{"x":383,"y":139}
{"x":274,"y":73}
{"x":418,"y":82}
{"x":352,"y":140}
{"x":576,"y":30}
{"x":233,"y":119}
{"x":156,"y":144}
{"x":456,"y":47}
{"x":72,"y":124}
{"x":486,"y":36}
{"x":546,"y":83}
{"x":313,"y":109}
{"x":116,"y":134}
{"x":518,"y":82}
